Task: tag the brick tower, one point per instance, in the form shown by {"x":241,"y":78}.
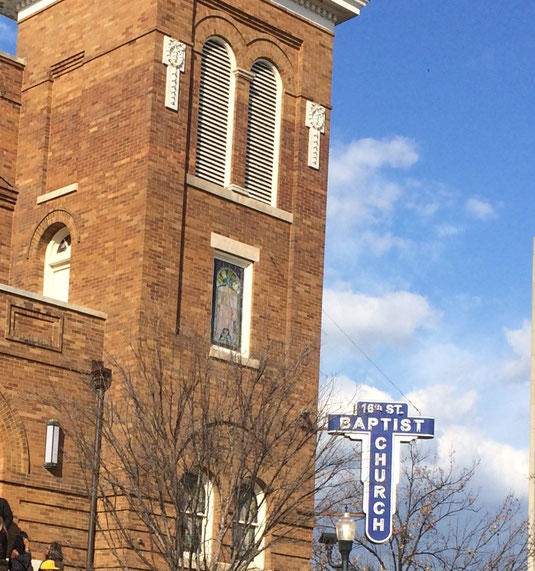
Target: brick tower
{"x":149,"y":149}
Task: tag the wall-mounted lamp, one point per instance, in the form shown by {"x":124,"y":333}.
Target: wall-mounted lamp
{"x":53,"y":430}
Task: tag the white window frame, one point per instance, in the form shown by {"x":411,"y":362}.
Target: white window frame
{"x":259,"y":526}
{"x":207,"y":519}
{"x":244,"y":256}
{"x":55,"y":263}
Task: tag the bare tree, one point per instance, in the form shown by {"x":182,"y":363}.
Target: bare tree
{"x":205,"y":462}
{"x":440,"y":524}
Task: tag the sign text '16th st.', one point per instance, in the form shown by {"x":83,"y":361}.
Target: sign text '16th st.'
{"x":381,"y":426}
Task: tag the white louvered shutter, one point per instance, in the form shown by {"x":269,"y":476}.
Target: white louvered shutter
{"x":262,"y":133}
{"x":214,"y":113}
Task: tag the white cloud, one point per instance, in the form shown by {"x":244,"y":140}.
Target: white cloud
{"x":479,"y":208}
{"x":518,"y":368}
{"x":444,"y":230}
{"x":449,"y":407}
{"x":445,"y":403}
{"x":377,"y":207}
{"x":502,"y":468}
{"x":359,"y":192}
{"x":388,"y":320}
{"x":378,"y":243}
{"x":357,"y":159}
{"x":341,"y":394}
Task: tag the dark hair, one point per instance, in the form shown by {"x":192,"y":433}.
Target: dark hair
{"x":18,"y":543}
{"x":54,"y":552}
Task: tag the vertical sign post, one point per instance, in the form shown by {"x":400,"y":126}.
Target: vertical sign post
{"x":381,"y":427}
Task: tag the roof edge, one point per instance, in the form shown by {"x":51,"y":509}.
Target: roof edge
{"x":326,"y":13}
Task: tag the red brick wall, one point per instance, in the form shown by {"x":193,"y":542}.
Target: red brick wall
{"x":45,"y":358}
{"x":93,"y":114}
{"x":11,"y":70}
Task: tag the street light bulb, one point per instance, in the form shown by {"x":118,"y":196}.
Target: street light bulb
{"x":345,"y":528}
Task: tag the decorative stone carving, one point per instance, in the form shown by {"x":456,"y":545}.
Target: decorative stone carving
{"x":315,"y":121}
{"x":174,"y":57}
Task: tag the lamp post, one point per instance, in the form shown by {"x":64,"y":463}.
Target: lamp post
{"x":101,"y":381}
{"x":345,"y":534}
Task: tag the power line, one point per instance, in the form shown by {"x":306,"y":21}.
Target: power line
{"x":370,"y":360}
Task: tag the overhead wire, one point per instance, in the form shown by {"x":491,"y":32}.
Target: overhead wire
{"x":371,"y":361}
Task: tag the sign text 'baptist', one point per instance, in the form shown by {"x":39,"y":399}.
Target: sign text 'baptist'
{"x":381,"y":426}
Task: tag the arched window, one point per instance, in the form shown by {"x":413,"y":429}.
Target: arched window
{"x":58,"y":266}
{"x":263,"y":133}
{"x":249,"y":521}
{"x":214,"y":131}
{"x":195,"y":519}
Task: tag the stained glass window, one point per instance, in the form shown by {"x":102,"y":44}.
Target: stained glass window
{"x":227,"y":304}
{"x":64,"y":244}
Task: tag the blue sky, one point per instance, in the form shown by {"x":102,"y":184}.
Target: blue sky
{"x":429,"y":239}
{"x":429,"y":234}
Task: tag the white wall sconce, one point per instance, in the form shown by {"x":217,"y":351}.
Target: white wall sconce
{"x":53,"y":430}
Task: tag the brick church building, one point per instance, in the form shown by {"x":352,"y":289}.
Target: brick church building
{"x":155,"y":155}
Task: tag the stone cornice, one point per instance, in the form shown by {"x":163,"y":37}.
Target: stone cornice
{"x":20,"y":9}
{"x":12,"y":60}
{"x":327,"y":13}
{"x":8,"y":8}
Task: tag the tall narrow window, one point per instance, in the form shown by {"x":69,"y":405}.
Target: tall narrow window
{"x":58,"y":266}
{"x":232,"y":295}
{"x":215,"y":113}
{"x":227,"y":304}
{"x":248,"y":522}
{"x":195,"y":513}
{"x":263,"y":127}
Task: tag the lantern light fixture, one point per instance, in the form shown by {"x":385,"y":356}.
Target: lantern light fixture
{"x":53,"y":430}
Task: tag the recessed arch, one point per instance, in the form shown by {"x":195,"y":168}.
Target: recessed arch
{"x":265,"y":49}
{"x":15,"y":441}
{"x":218,"y":26}
{"x":49,"y":225}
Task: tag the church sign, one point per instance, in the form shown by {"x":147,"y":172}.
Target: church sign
{"x":381,"y":427}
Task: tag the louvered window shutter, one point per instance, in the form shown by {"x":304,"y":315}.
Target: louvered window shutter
{"x":213,"y":150}
{"x":262,"y":133}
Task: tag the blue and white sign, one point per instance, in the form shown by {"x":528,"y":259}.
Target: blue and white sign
{"x":382,"y":427}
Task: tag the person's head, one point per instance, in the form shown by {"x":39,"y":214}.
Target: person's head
{"x":49,"y":564}
{"x":54,"y":551}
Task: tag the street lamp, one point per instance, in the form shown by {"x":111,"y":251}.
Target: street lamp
{"x":101,"y":381}
{"x":345,"y":534}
